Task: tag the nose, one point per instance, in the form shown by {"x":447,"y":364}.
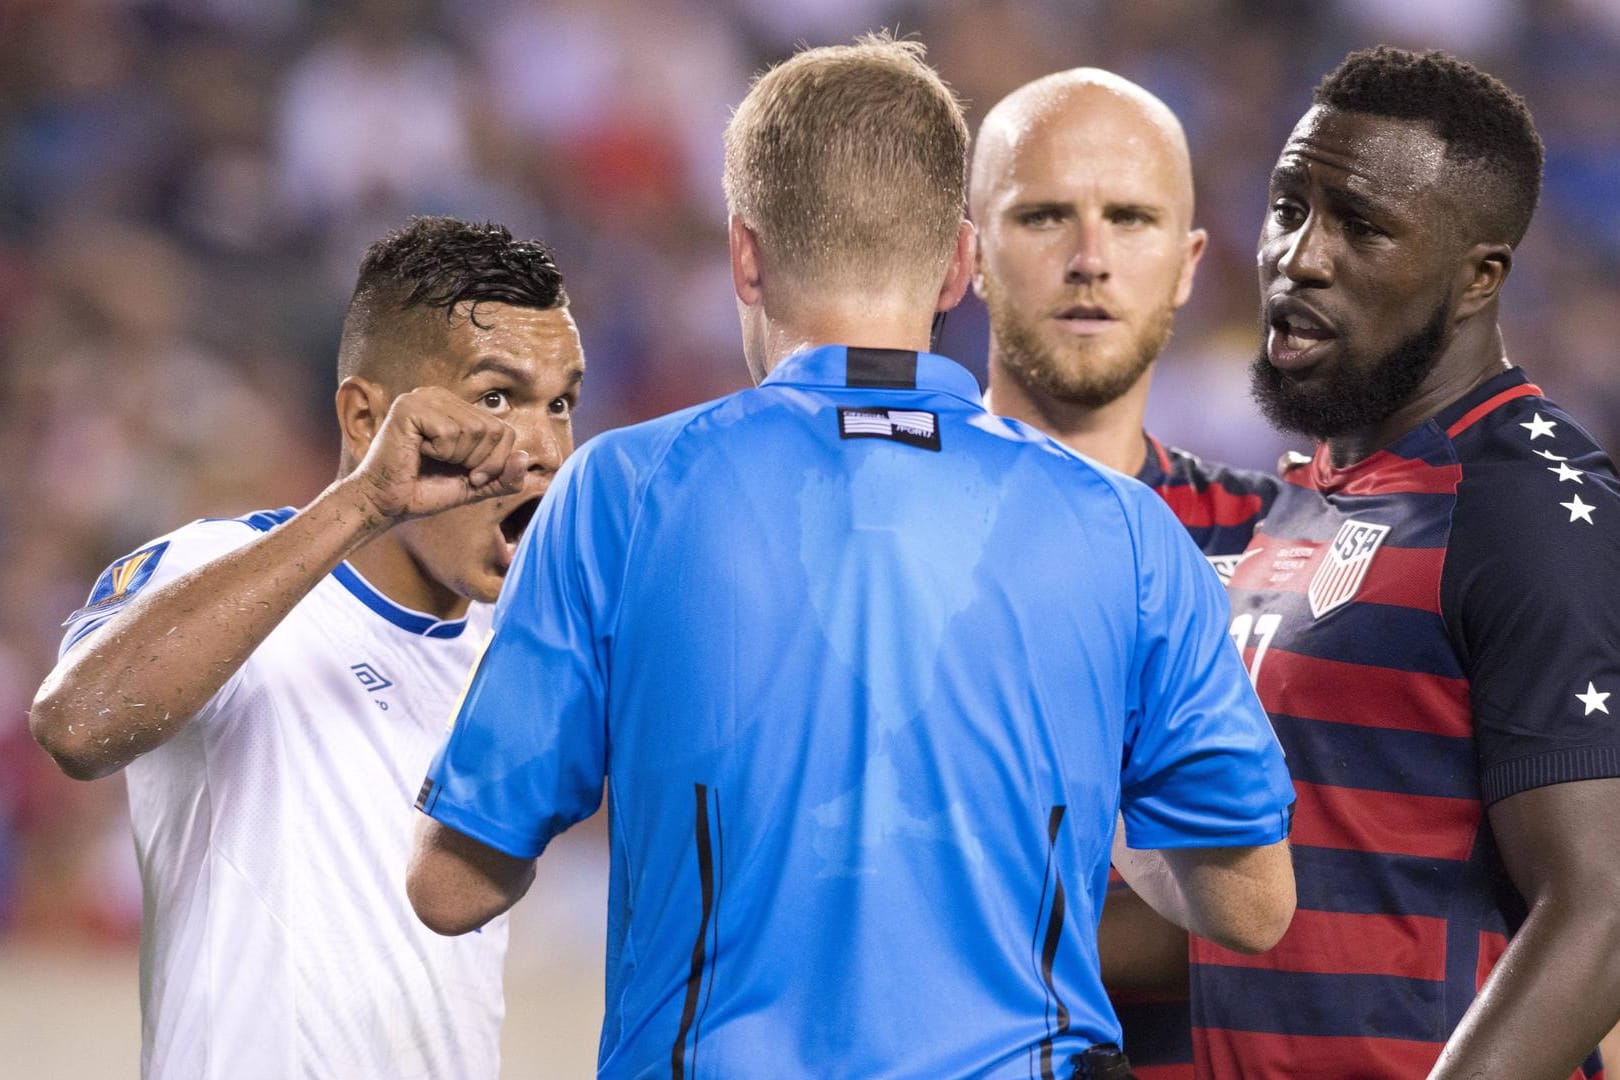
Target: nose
{"x":1303,"y":255}
{"x":1089,"y":262}
{"x":546,"y":439}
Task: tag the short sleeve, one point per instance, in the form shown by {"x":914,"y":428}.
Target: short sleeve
{"x":1528,"y":593}
{"x":154,"y":565}
{"x":1202,"y":767}
{"x":526,"y":753}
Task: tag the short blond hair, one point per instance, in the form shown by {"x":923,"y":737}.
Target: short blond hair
{"x":849,"y":163}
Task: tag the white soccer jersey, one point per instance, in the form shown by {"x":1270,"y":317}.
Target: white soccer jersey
{"x":273,"y":833}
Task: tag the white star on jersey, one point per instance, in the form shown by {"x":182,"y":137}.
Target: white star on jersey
{"x":1550,"y":456}
{"x":1594,"y":699}
{"x":1565,"y":473}
{"x":1578,"y":511}
{"x":1538,"y":427}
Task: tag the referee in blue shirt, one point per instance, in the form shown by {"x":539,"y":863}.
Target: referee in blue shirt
{"x":869,"y":672}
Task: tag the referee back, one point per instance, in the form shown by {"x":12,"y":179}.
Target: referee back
{"x":869,"y":673}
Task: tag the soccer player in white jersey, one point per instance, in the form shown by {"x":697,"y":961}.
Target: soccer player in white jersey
{"x":274,"y":686}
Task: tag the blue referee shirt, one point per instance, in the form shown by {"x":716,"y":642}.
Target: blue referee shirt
{"x":869,"y":673}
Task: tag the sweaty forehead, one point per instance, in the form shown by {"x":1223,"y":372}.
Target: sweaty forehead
{"x":533,"y":340}
{"x":1377,"y":156}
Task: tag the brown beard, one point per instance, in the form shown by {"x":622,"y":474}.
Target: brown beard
{"x":1085,"y":380}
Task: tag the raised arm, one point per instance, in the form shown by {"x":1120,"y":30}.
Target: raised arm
{"x":1241,"y":898}
{"x":1556,"y":990}
{"x":133,"y":684}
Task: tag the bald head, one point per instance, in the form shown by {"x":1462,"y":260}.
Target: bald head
{"x":1095,"y":118}
{"x":1083,"y":197}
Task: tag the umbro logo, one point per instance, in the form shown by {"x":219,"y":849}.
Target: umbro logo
{"x":370,"y":678}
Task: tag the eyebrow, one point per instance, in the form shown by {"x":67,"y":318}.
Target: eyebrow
{"x":499,"y":367}
{"x":572,"y":376}
{"x":1356,"y":201}
{"x":517,"y":374}
{"x":1029,"y":206}
{"x":1066,"y":206}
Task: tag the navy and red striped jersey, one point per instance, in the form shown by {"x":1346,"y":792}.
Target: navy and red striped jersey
{"x":1219,"y":506}
{"x":1426,"y":631}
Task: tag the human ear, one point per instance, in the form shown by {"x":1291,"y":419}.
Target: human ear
{"x":746,"y":278}
{"x":1481,"y":276}
{"x":961,"y":269}
{"x":362,"y":405}
{"x":1197,"y":241}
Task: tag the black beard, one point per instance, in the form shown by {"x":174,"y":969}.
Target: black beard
{"x":1349,"y":399}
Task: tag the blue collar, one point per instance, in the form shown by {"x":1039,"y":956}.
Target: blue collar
{"x":403,"y":617}
{"x":877,"y":369}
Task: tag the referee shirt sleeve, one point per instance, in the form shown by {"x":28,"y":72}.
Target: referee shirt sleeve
{"x":526,"y":754}
{"x":1202,"y":767}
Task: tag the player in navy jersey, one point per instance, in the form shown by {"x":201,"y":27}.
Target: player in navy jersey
{"x":1083,"y":195}
{"x":868,"y":670}
{"x":1428,"y":613}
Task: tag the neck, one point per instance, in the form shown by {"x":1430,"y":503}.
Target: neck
{"x":870,"y":322}
{"x":1475,"y":355}
{"x":1110,"y":434}
{"x":390,"y":568}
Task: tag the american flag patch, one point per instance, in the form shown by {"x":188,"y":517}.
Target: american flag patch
{"x":1344,"y":567}
{"x":914,"y":427}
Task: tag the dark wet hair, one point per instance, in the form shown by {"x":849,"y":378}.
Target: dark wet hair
{"x":1487,"y":127}
{"x":438,"y":263}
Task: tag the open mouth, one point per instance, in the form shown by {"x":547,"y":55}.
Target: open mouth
{"x":513,"y":524}
{"x":1297,"y":334}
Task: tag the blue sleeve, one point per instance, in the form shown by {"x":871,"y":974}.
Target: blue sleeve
{"x":526,"y":754}
{"x":1202,"y":767}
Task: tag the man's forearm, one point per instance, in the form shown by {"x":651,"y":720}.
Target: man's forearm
{"x":1139,"y":949}
{"x":1241,"y":898}
{"x":136,"y":682}
{"x":1554,"y":994}
{"x":457,"y":884}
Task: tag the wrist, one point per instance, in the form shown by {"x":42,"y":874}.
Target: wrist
{"x":354,"y":505}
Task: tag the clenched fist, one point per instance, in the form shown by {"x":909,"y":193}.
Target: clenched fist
{"x":435,"y":451}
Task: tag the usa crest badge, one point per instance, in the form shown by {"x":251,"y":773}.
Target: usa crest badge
{"x":1344,"y":566}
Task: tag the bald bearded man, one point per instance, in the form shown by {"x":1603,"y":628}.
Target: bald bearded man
{"x":1082,"y":193}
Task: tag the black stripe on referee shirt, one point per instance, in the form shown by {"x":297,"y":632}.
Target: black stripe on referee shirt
{"x":891,"y":369}
{"x":694,"y":979}
{"x":1049,"y":947}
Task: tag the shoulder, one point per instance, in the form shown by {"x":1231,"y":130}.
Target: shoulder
{"x":634,"y":451}
{"x":1218,"y":504}
{"x":1071,"y":469}
{"x":1532,"y":476}
{"x":1537,"y":513}
{"x":162,"y":560}
{"x":1217,"y":477}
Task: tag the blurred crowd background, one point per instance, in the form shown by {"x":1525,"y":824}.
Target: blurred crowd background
{"x":186,"y":187}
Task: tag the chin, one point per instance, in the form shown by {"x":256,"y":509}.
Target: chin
{"x":485,"y":589}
